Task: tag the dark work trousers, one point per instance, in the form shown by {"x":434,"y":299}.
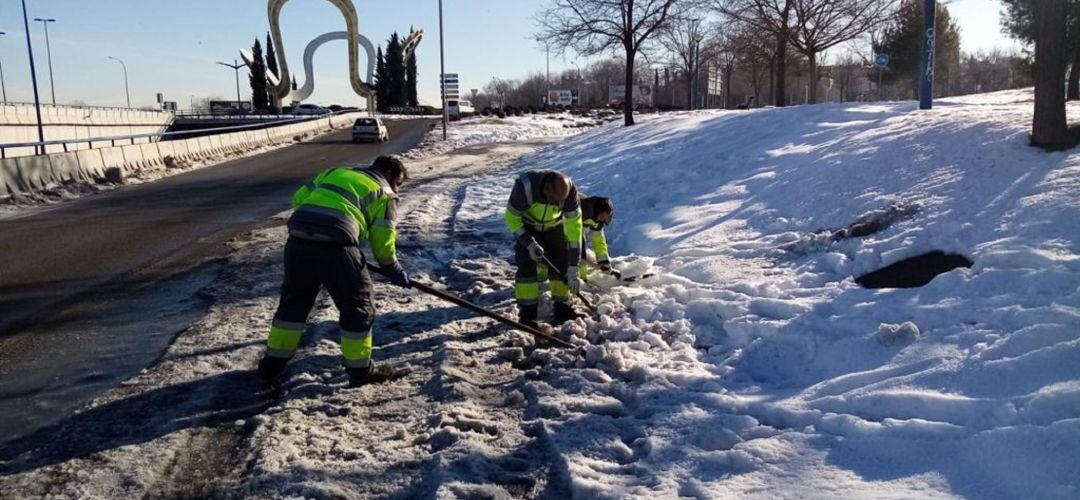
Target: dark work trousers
{"x":557,"y":251}
{"x":310,"y":265}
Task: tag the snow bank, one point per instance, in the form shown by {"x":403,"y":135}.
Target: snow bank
{"x":483,"y":130}
{"x":754,"y":365}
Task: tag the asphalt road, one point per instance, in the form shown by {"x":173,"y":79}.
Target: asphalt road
{"x":68,"y":269}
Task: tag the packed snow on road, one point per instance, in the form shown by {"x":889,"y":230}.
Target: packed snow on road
{"x":747,"y":362}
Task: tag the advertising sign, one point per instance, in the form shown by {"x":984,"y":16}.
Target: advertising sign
{"x":560,"y":97}
{"x":642,"y":97}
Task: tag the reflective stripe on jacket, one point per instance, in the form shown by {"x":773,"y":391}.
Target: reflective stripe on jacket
{"x":354,"y":203}
{"x":527,"y":209}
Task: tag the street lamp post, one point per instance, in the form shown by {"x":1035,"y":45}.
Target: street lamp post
{"x":3,"y":88}
{"x":48,"y":51}
{"x":442,"y":74}
{"x":698,"y":37}
{"x":236,"y":67}
{"x":33,"y":78}
{"x":127,"y":90}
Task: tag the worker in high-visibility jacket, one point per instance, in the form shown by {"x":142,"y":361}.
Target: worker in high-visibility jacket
{"x":334,"y":215}
{"x":544,"y":215}
{"x":596,"y":212}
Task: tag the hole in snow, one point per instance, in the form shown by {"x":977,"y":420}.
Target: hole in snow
{"x":915,"y":271}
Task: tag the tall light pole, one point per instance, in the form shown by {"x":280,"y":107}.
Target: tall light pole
{"x":547,"y":74}
{"x":442,"y":74}
{"x":48,"y":51}
{"x":127,"y":90}
{"x":3,"y":88}
{"x":236,"y":67}
{"x":33,"y":77}
{"x":698,"y":37}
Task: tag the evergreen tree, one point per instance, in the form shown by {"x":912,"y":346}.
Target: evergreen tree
{"x":294,"y":83}
{"x":395,"y":72}
{"x":382,"y":81}
{"x":271,"y":67}
{"x":410,"y":77}
{"x":1018,"y":20}
{"x":902,"y":41}
{"x":259,"y":100}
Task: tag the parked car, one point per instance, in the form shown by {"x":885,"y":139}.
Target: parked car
{"x":310,"y":109}
{"x":369,"y":129}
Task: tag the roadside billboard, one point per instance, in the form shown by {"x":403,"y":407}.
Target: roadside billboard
{"x":560,"y":97}
{"x":229,"y":107}
{"x":643,"y":96}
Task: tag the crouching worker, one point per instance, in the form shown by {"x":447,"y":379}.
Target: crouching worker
{"x":334,"y":215}
{"x":596,"y":212}
{"x":544,"y":214}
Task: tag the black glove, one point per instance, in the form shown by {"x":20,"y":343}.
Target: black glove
{"x":397,"y":275}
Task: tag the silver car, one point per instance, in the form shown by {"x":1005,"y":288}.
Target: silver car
{"x":369,"y":129}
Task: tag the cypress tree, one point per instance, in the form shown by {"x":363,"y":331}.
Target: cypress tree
{"x":395,"y":72}
{"x":410,"y":76}
{"x":271,"y":67}
{"x":381,"y":81}
{"x":257,"y":79}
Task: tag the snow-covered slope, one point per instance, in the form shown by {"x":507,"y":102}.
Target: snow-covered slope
{"x":756,"y":365}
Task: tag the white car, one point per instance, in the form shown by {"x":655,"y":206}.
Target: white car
{"x":369,"y":129}
{"x":310,"y":109}
{"x":456,"y":108}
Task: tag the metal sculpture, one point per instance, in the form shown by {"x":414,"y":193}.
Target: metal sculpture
{"x":305,"y":90}
{"x":282,"y":87}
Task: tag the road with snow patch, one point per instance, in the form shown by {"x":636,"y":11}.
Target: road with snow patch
{"x":94,"y":288}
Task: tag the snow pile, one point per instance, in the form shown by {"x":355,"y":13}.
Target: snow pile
{"x":483,"y":130}
{"x":754,"y":362}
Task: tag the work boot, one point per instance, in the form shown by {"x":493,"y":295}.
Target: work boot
{"x":564,"y":312}
{"x":271,"y":368}
{"x":527,"y":316}
{"x":371,"y":374}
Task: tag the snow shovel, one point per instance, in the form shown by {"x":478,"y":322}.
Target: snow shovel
{"x":428,"y":289}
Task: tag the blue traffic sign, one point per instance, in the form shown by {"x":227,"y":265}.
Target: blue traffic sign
{"x":881,"y":60}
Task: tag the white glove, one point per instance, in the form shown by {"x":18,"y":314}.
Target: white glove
{"x":536,"y":252}
{"x":573,"y":279}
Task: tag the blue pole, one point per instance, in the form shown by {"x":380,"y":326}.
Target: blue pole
{"x":926,"y":80}
{"x":33,"y":77}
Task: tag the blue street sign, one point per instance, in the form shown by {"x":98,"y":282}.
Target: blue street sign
{"x":881,"y":60}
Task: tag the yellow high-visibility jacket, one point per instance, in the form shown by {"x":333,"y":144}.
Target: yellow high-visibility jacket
{"x":349,"y":206}
{"x":528,"y":211}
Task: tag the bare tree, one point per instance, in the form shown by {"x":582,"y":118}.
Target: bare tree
{"x":678,"y":38}
{"x":753,"y":56}
{"x":592,"y":27}
{"x":1050,"y":126}
{"x":773,"y":17}
{"x":823,"y":24}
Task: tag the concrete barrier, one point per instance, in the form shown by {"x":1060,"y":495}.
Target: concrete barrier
{"x":91,"y":164}
{"x":35,"y":172}
{"x":9,"y":177}
{"x":133,"y":158}
{"x":112,"y":158}
{"x":151,"y":155}
{"x":64,"y":167}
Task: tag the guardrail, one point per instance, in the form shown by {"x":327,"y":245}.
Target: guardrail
{"x":148,"y":109}
{"x":40,"y":146}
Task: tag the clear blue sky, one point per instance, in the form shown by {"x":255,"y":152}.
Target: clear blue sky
{"x":170,"y":46}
